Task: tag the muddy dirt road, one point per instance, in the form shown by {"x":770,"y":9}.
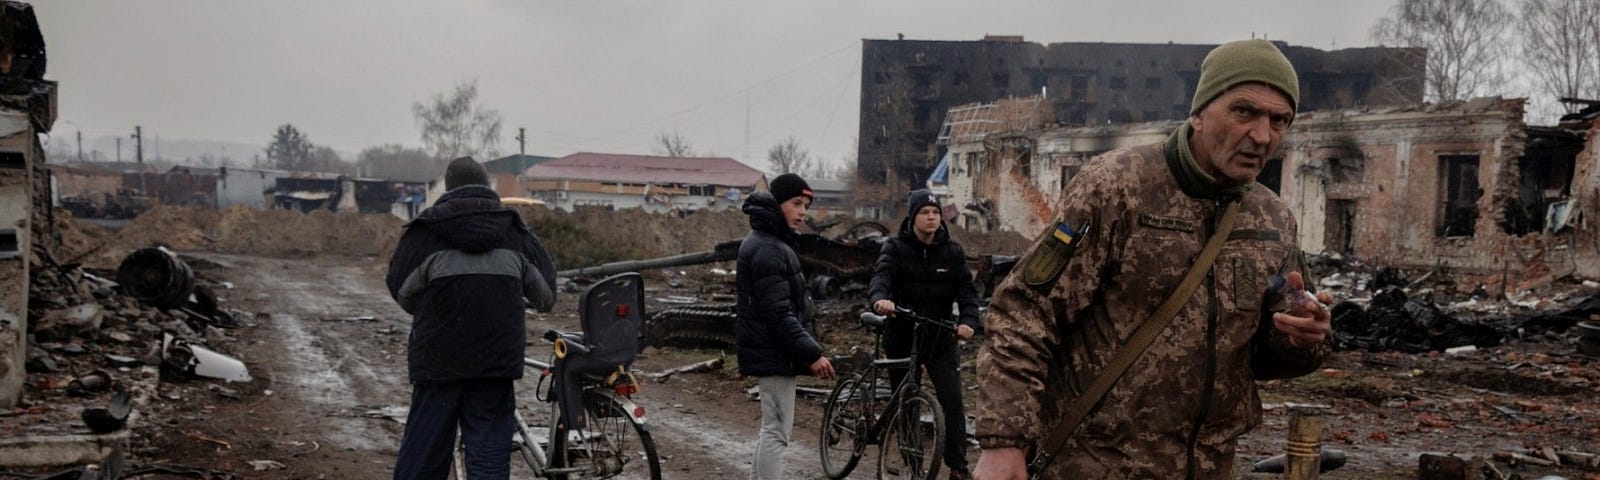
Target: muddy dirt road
{"x":327,"y":351}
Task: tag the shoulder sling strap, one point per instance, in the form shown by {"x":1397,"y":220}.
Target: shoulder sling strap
{"x":1141,"y":340}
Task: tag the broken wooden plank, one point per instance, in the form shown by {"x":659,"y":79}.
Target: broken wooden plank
{"x":697,"y":367}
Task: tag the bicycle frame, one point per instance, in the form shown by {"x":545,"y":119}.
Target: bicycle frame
{"x":912,"y":379}
{"x":539,"y":458}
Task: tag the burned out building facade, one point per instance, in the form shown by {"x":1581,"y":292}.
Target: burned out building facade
{"x":908,"y":86}
{"x":1463,"y":187}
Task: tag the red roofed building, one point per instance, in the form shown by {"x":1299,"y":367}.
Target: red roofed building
{"x":644,"y":181}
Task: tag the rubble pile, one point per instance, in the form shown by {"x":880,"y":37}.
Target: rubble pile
{"x":592,"y":236}
{"x":1381,"y":309}
{"x":1394,"y":322}
{"x":90,"y":344}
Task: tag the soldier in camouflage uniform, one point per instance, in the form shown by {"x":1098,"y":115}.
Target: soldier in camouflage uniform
{"x":1127,"y":229}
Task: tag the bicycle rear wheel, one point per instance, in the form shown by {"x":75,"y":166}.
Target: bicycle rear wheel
{"x":612,"y":444}
{"x":845,"y":421}
{"x":913,"y":442}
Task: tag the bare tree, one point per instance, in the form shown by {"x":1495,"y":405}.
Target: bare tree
{"x":789,"y":157}
{"x":1561,"y":46}
{"x":1464,"y":39}
{"x":673,"y":145}
{"x":456,"y":125}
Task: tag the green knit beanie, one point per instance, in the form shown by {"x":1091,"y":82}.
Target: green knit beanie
{"x":1243,"y":61}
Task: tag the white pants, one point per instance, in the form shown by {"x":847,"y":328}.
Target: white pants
{"x":777,"y":421}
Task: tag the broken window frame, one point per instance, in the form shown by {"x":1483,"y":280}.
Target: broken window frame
{"x":1457,"y":215}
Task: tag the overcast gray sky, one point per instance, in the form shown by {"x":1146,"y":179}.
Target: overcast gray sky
{"x":579,"y":75}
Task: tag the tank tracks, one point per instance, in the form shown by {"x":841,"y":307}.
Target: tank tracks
{"x":701,"y":325}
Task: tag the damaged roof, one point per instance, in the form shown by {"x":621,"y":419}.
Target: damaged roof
{"x":647,"y":169}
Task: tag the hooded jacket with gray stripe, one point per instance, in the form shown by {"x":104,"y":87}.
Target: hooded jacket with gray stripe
{"x":463,"y":268}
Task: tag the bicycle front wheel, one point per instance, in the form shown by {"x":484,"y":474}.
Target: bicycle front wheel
{"x":845,"y":421}
{"x":913,"y":442}
{"x":614,"y":443}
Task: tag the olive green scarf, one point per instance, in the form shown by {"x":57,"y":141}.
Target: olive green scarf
{"x":1194,"y":181}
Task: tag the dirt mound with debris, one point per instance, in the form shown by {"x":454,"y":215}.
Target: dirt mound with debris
{"x":76,"y":241}
{"x":595,"y":236}
{"x":592,"y":236}
{"x":240,"y":229}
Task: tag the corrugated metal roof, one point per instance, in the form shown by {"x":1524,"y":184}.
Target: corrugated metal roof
{"x":645,"y":169}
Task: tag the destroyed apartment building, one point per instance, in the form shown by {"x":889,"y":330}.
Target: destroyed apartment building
{"x":908,"y":85}
{"x":653,"y":183}
{"x":1464,"y":187}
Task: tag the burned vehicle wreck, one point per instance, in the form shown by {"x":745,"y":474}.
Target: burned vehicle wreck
{"x":837,"y":269}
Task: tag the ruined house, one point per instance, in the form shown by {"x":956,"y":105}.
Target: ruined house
{"x":27,"y":110}
{"x":1463,"y":187}
{"x":908,"y":85}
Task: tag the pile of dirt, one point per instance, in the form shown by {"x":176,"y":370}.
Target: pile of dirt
{"x":592,"y":236}
{"x":239,"y":229}
{"x":76,"y":241}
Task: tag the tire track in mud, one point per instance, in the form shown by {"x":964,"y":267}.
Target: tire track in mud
{"x":325,"y":365}
{"x":335,"y":367}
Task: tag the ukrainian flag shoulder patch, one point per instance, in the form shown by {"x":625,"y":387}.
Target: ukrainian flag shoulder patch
{"x":1044,"y":264}
{"x":1065,"y":233}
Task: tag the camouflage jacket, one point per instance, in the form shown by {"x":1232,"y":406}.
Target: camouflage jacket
{"x":1137,"y":219}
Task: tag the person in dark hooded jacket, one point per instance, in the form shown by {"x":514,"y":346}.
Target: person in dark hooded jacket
{"x":776,"y":340}
{"x":465,"y":268}
{"x":922,"y":270}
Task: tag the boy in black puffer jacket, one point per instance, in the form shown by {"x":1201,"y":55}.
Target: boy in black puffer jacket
{"x":463,"y":269}
{"x":924,"y":271}
{"x":776,"y":339}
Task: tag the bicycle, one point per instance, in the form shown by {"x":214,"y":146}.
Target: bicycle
{"x":909,"y":429}
{"x":593,"y":422}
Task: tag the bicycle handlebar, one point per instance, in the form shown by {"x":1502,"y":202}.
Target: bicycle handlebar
{"x":566,"y":343}
{"x":874,"y":320}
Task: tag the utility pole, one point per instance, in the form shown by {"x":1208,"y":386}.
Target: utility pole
{"x":747,"y":125}
{"x":80,"y":146}
{"x":522,"y":142}
{"x":138,"y":143}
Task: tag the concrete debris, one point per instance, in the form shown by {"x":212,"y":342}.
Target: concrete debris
{"x":1589,"y":338}
{"x":264,"y":465}
{"x":77,"y":320}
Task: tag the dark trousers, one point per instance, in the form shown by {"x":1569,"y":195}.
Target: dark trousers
{"x":483,"y":409}
{"x":940,"y":355}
